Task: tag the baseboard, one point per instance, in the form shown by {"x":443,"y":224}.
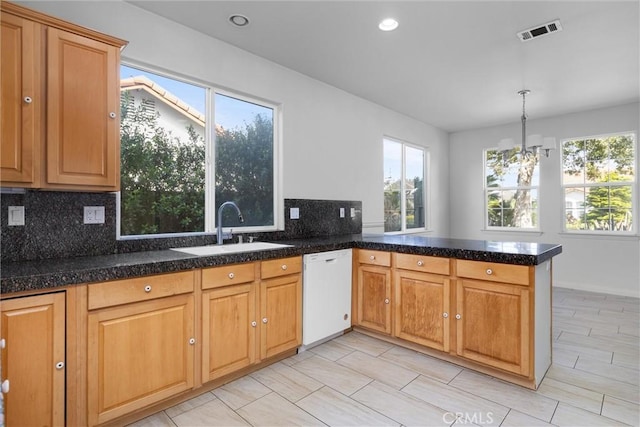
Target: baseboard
{"x":597,"y":289}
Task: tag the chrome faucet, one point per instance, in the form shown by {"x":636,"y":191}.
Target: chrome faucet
{"x":220,"y":235}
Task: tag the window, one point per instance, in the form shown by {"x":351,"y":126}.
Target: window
{"x":511,"y":190}
{"x":404,"y":189}
{"x":167,"y":184}
{"x":598,"y":183}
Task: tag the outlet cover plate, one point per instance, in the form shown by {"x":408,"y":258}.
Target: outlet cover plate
{"x":294,"y":213}
{"x":94,"y":214}
{"x":16,"y":215}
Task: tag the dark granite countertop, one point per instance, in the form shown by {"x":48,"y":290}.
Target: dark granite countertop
{"x":52,"y":273}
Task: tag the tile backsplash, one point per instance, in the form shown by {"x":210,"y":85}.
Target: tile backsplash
{"x":54,"y":226}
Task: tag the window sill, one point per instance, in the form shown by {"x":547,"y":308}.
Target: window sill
{"x":512,"y":231}
{"x":603,"y":236}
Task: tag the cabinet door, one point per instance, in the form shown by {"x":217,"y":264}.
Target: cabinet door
{"x":22,"y":101}
{"x":34,"y":332}
{"x":229,"y":320}
{"x":139,"y":354}
{"x":494,"y":324}
{"x":421,"y":306}
{"x":82,"y":112}
{"x":374,"y":298}
{"x":281,"y":314}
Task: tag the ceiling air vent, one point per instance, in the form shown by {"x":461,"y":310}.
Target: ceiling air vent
{"x":541,"y":30}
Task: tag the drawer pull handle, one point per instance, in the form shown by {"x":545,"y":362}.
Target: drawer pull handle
{"x":112,"y":115}
{"x":59,"y":365}
{"x":445,"y":315}
{"x":192,"y":341}
{"x":284,"y":266}
{"x":264,"y":320}
{"x":458,"y":317}
{"x":372,"y":257}
{"x":420,"y":263}
{"x":231,"y":275}
{"x":386,"y":300}
{"x":28,"y":100}
{"x":489,"y":271}
{"x":254,"y":323}
{"x":147,"y":288}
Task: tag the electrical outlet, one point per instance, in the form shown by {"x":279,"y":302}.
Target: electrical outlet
{"x":353,"y":212}
{"x":294,"y":213}
{"x":94,"y":214}
{"x":16,"y":215}
{"x":341,"y":212}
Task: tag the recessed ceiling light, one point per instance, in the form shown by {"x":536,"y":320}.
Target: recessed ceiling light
{"x":239,"y":20}
{"x":388,"y":24}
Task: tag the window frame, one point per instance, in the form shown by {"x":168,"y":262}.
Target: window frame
{"x":425,"y":187}
{"x":486,"y":189}
{"x":210,"y":226}
{"x":635,"y":209}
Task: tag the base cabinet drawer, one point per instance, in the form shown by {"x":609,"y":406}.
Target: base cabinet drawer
{"x":139,"y":354}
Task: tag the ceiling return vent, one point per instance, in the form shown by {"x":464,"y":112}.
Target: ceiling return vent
{"x":540,"y":30}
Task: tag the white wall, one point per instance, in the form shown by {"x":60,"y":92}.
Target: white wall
{"x":593,"y":263}
{"x":332,"y":139}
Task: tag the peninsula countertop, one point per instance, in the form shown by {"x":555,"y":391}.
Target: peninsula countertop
{"x":52,"y":273}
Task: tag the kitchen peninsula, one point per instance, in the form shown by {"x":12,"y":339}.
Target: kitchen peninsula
{"x":481,"y":304}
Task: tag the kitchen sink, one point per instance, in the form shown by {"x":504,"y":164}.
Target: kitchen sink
{"x":230,"y":249}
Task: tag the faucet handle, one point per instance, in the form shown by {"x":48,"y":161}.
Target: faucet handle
{"x":251,"y":238}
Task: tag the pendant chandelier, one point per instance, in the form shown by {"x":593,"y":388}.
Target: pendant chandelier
{"x":530,"y":145}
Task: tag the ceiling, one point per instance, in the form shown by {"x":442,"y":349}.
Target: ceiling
{"x":456,"y":65}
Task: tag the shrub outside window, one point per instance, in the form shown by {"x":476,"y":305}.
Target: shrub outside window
{"x":599,"y":183}
{"x":168,"y":185}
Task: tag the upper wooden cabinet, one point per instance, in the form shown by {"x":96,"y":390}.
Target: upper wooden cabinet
{"x":22,"y":102}
{"x":70,"y":75}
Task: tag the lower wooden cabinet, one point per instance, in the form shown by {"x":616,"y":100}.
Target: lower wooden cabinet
{"x":139,"y":352}
{"x":421,"y":306}
{"x":373,"y":303}
{"x":33,"y":359}
{"x":281,"y":314}
{"x":250,"y":312}
{"x":483,"y":312}
{"x":492,"y":322}
{"x":229,"y":329}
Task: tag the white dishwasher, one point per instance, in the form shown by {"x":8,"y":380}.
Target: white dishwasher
{"x":326,"y":296}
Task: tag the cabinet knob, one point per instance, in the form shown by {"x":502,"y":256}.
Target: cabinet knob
{"x":147,"y":288}
{"x":420,"y":263}
{"x":489,"y":271}
{"x":3,"y":343}
{"x":5,"y":386}
{"x":231,"y":275}
{"x":192,"y":341}
{"x":386,"y":300}
{"x":445,"y":315}
{"x":112,"y":115}
{"x":28,"y":100}
{"x":254,"y":323}
{"x":59,"y":365}
{"x":458,"y":317}
{"x":284,"y":266}
{"x":372,"y":257}
{"x":264,"y":320}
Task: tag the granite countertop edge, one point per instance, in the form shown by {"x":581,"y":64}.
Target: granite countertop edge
{"x":50,"y":274}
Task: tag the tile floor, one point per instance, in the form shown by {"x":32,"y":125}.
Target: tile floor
{"x":355,"y":380}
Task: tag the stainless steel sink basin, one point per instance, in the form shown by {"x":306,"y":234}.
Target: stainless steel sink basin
{"x":230,"y":249}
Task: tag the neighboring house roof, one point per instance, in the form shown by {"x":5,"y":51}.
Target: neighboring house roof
{"x":153,"y":88}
